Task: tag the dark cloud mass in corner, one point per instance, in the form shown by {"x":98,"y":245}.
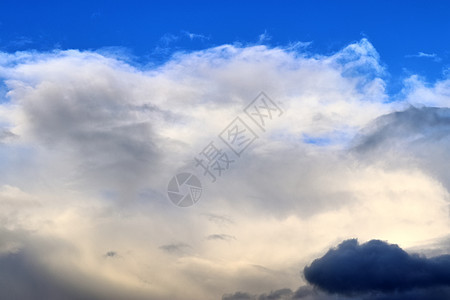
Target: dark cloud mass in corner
{"x":376,"y":266}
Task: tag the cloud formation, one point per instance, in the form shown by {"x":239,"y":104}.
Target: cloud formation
{"x":88,"y":143}
{"x":421,"y":133}
{"x":376,"y":266}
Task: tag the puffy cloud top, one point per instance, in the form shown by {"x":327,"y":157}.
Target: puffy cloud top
{"x":376,"y":266}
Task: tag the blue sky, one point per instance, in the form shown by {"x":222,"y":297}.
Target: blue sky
{"x":153,"y":30}
{"x":322,"y":128}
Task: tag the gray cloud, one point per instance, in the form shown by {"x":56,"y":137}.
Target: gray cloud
{"x":111,"y":254}
{"x":412,"y":126}
{"x":303,"y":292}
{"x":282,"y":294}
{"x":239,"y":296}
{"x":6,"y":135}
{"x":93,"y":124}
{"x":219,"y":219}
{"x":223,"y":237}
{"x":419,"y":134}
{"x":176,"y":248}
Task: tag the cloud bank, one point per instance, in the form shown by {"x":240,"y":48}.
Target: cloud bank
{"x":88,"y":143}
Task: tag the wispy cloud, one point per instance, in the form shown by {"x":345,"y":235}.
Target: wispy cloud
{"x":177,"y":248}
{"x":223,"y":237}
{"x":264,"y":37}
{"x":193,"y":36}
{"x":170,"y":38}
{"x":433,"y":56}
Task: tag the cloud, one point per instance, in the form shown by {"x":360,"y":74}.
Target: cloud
{"x":374,"y":270}
{"x":168,"y":38}
{"x":413,"y":125}
{"x":421,"y":54}
{"x":420,"y":133}
{"x":282,"y":294}
{"x":376,"y":266}
{"x":219,"y":219}
{"x":264,"y":37}
{"x":89,"y":142}
{"x":223,"y":237}
{"x":303,"y":292}
{"x":277,"y":295}
{"x":418,"y":92}
{"x":434,"y":56}
{"x":111,"y":254}
{"x":238,"y":296}
{"x":6,"y":134}
{"x":178,"y":248}
{"x":19,"y":42}
{"x":193,"y":36}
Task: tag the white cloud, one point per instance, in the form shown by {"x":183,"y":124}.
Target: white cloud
{"x":420,"y":93}
{"x":97,"y":140}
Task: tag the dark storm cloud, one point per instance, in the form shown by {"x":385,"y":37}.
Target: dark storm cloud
{"x":439,"y":293}
{"x":376,"y":267}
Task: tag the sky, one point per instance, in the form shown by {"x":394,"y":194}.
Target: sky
{"x":224,"y":150}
